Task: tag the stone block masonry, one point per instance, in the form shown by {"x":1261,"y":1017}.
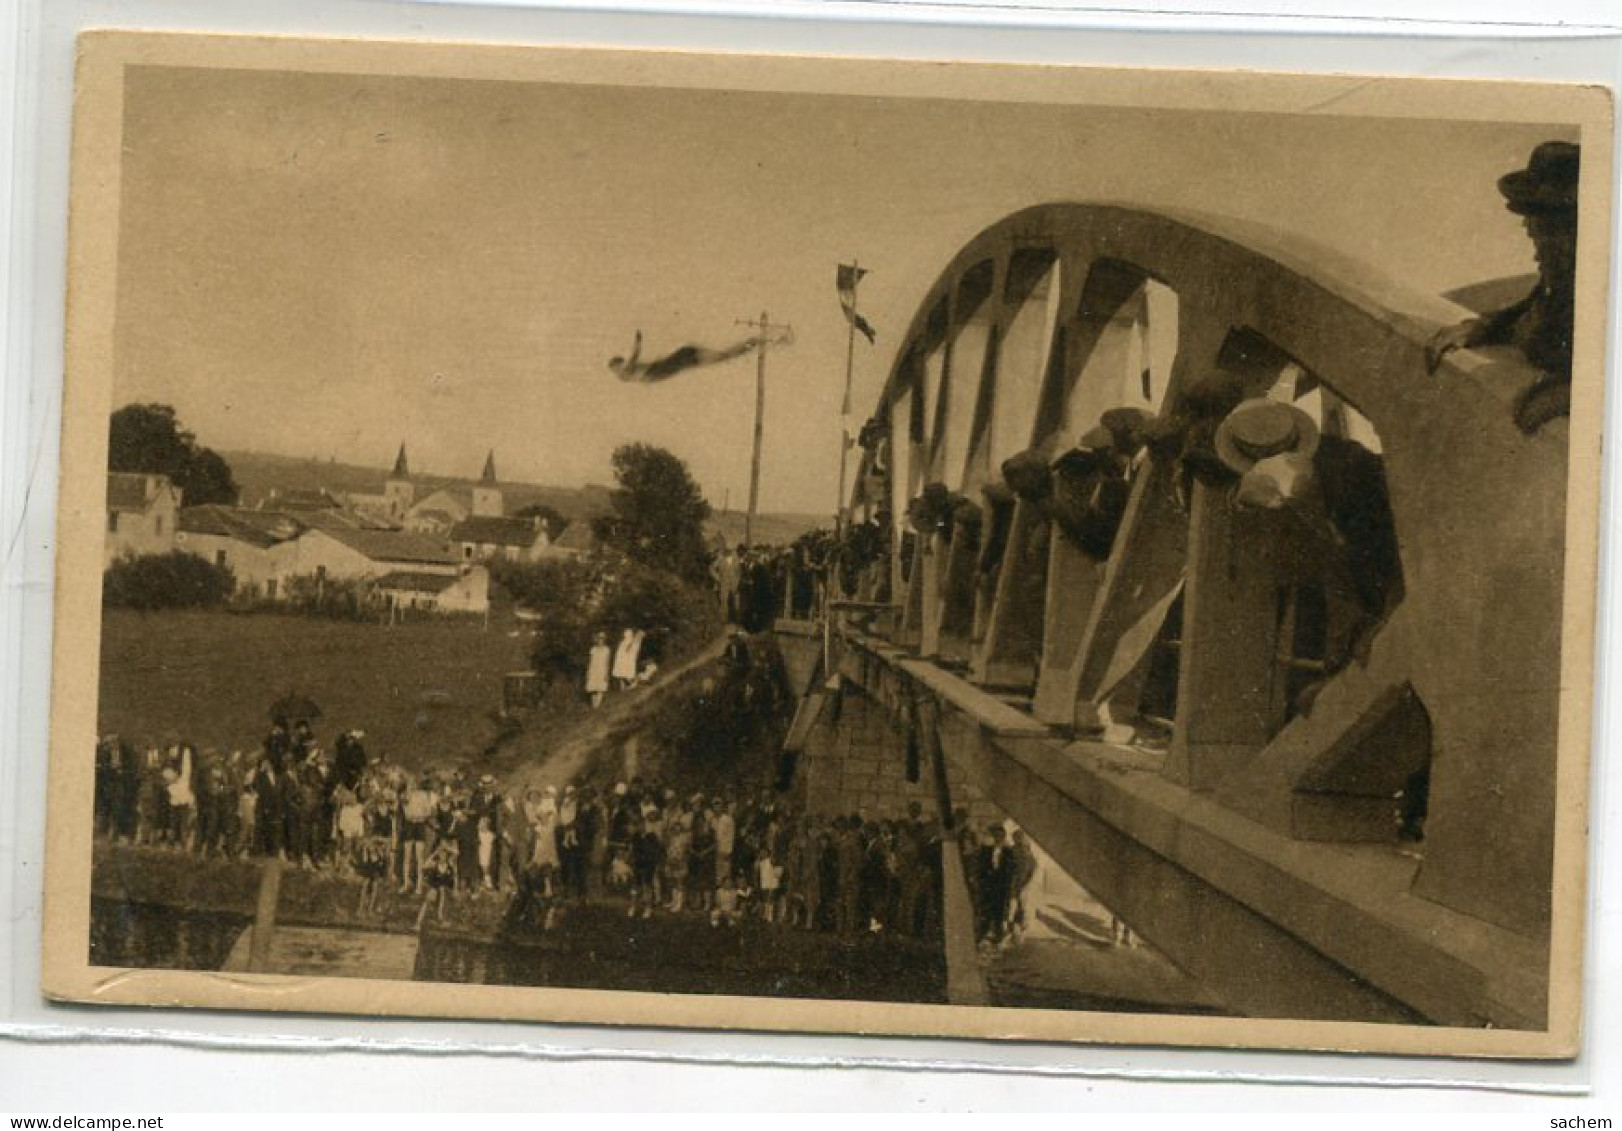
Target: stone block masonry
{"x":855,"y":761}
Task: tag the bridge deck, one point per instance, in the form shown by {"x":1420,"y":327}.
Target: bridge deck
{"x":1274,"y":925}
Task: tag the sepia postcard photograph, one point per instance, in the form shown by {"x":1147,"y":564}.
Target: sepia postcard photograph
{"x":825,"y":545}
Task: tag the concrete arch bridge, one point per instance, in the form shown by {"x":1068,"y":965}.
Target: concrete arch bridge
{"x":1296,"y":726}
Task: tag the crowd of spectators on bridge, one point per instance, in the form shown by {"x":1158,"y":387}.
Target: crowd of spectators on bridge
{"x":757,"y":584}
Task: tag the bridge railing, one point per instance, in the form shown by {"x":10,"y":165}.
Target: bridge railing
{"x":1251,"y":647}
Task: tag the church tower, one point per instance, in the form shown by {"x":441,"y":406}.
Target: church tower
{"x":487,"y":500}
{"x":398,"y":489}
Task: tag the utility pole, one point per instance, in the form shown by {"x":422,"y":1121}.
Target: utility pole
{"x":764,"y":330}
{"x":844,"y":405}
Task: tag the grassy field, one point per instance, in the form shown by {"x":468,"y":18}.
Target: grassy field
{"x":423,"y":692}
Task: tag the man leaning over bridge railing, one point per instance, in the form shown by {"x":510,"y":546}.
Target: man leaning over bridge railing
{"x":1544,"y":195}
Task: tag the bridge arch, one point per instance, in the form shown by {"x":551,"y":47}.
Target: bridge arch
{"x":1062,"y":311}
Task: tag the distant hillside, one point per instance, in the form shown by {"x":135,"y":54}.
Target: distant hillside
{"x":770,"y":529}
{"x":259,"y":473}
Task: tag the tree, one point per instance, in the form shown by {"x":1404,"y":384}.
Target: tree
{"x":563,"y":595}
{"x":658,"y":513}
{"x":571,"y":601}
{"x":175,"y":580}
{"x":555,"y":522}
{"x":148,"y":438}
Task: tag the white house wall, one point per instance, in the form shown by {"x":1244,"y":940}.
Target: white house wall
{"x":252,"y":565}
{"x":470,"y":594}
{"x":149,"y":532}
{"x":315,"y":552}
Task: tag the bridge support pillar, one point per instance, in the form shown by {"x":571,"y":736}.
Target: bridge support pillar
{"x":1074,"y":580}
{"x":1230,"y":687}
{"x":1008,"y":655}
{"x":264,"y":915}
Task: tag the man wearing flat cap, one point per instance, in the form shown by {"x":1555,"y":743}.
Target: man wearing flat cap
{"x":1544,"y":195}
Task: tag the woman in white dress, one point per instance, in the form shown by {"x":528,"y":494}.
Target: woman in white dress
{"x":597,"y":668}
{"x":625,"y":657}
{"x":178,"y":780}
{"x":544,"y":850}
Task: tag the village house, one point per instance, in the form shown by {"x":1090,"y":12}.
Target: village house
{"x":426,"y":553}
{"x":265,"y":550}
{"x":440,"y":511}
{"x":485,"y":539}
{"x":437,"y":512}
{"x":142,"y":515}
{"x":575,"y":542}
{"x":390,"y":507}
{"x":344,"y":553}
{"x":258,"y":547}
{"x":465,"y":592}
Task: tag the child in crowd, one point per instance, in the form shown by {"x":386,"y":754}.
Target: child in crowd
{"x":247,"y":804}
{"x":726,"y":904}
{"x":371,"y":863}
{"x":677,"y":838}
{"x":351,"y":823}
{"x":439,"y":870}
{"x":619,"y":871}
{"x":647,"y":855}
{"x":487,"y":852}
{"x":768,"y":881}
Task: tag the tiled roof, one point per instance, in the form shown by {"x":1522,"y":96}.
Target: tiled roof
{"x":257,"y":528}
{"x":330,"y":520}
{"x":395,"y":545}
{"x":451,"y":502}
{"x":576,"y":536}
{"x":493,"y":531}
{"x":435,"y":513}
{"x":416,"y":582}
{"x":298,"y":499}
{"x":126,"y":490}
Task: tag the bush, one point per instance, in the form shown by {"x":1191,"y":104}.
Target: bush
{"x":333,"y":598}
{"x":574,"y":600}
{"x":678,"y":618}
{"x":176,"y":580}
{"x":563,"y":594}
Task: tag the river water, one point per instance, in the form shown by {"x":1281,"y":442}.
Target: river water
{"x":150,"y":935}
{"x":598,"y":949}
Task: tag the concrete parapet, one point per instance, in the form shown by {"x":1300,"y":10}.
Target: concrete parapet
{"x":1274,"y":926}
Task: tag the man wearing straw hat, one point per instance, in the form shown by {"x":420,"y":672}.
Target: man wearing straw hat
{"x":1335,"y":484}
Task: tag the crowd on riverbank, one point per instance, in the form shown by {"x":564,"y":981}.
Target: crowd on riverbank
{"x":447,"y":837}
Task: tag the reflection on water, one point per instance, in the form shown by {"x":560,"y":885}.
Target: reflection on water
{"x":455,"y":960}
{"x":1048,"y":974}
{"x":696,"y":961}
{"x":675,"y":957}
{"x":153,"y":935}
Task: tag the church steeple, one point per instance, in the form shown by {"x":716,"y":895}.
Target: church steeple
{"x":399,"y":490}
{"x":487,"y":500}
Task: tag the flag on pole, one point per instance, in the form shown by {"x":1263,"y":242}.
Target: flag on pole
{"x":687,"y":357}
{"x":849,"y":276}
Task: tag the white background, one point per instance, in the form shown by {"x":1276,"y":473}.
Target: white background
{"x":68,"y":1060}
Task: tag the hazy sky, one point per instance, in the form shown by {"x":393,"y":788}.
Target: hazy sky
{"x":327,"y":264}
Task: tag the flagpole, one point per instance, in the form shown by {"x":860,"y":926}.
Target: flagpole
{"x":844,"y":405}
